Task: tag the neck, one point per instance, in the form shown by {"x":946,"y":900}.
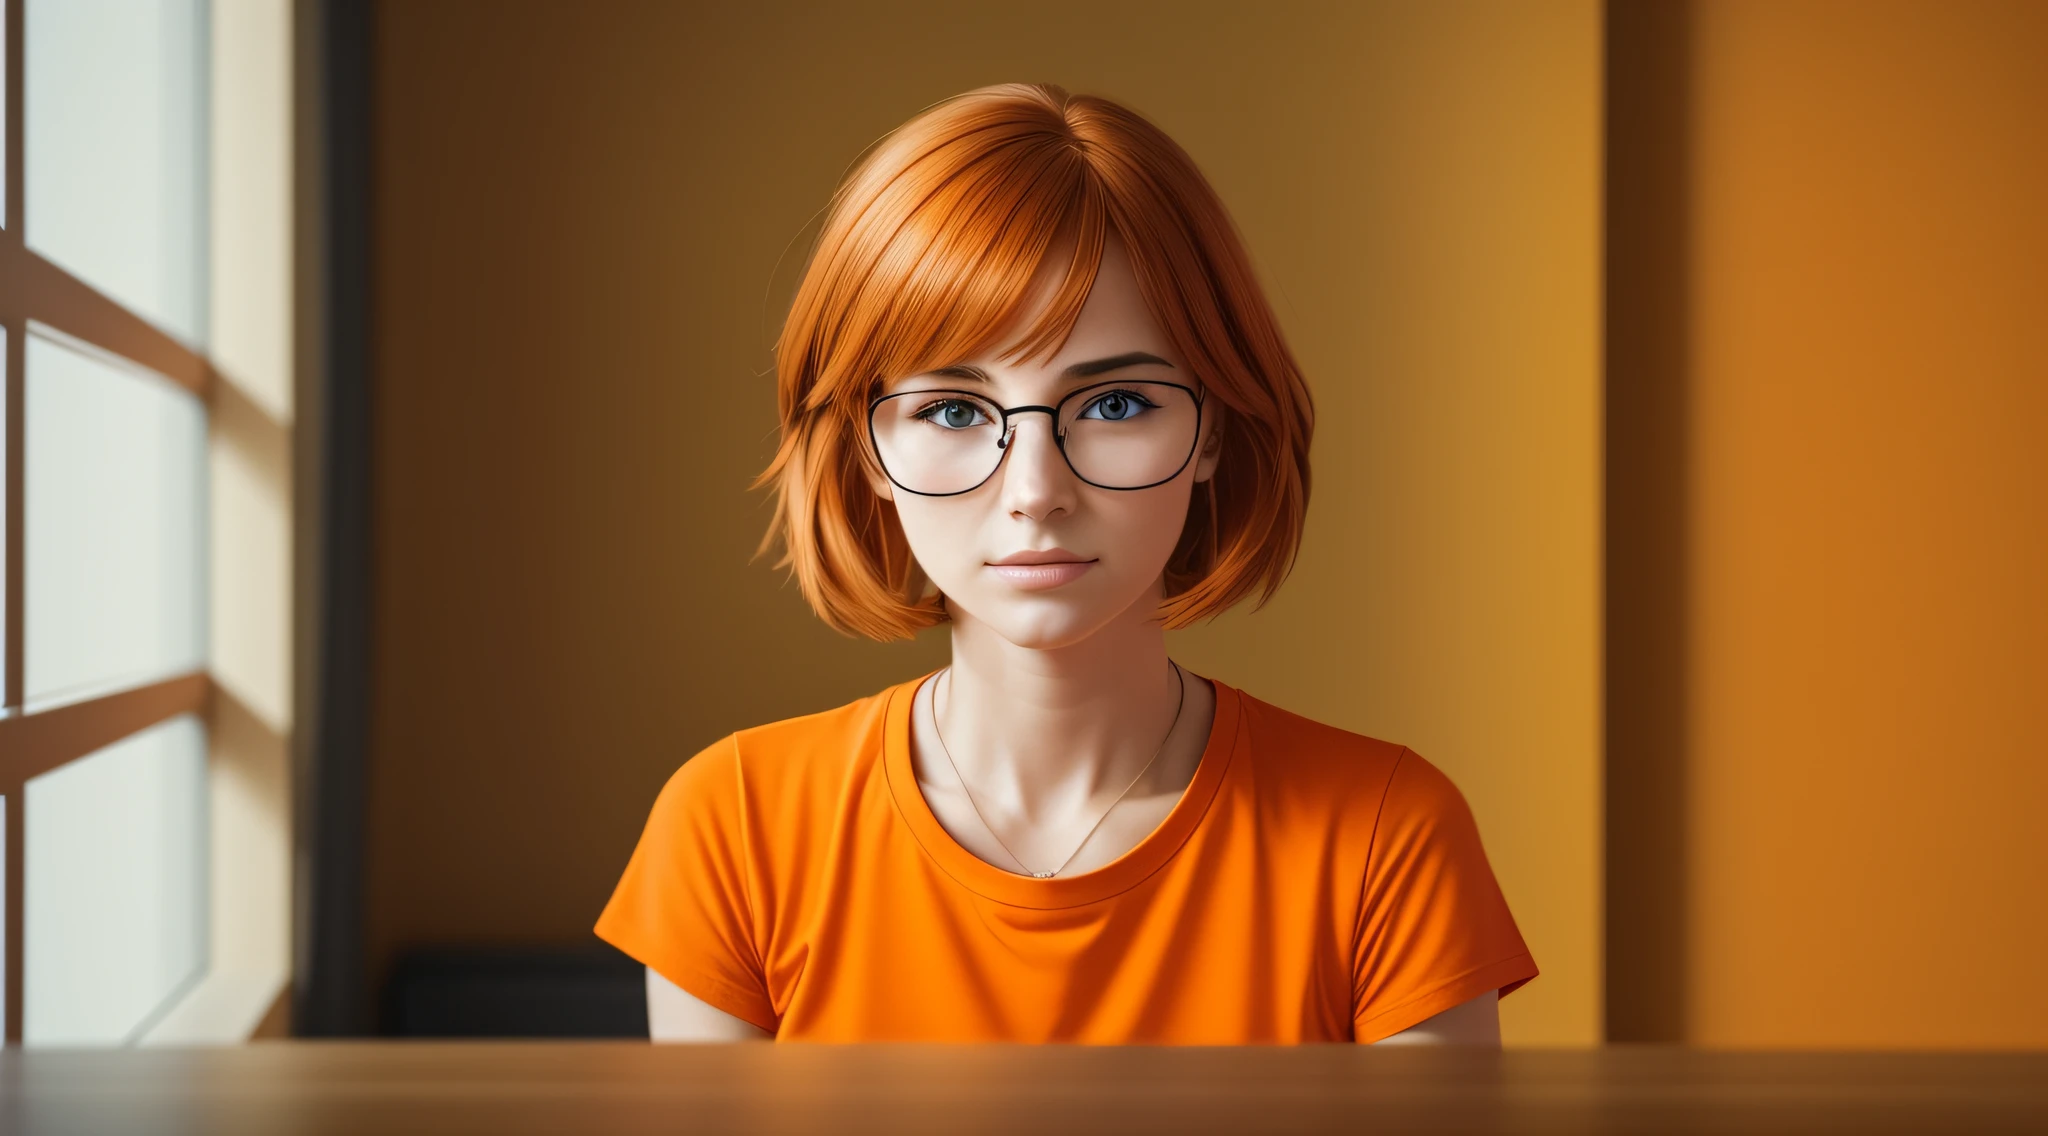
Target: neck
{"x":1044,"y":731}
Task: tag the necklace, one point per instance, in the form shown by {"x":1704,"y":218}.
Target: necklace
{"x":1179,"y":703}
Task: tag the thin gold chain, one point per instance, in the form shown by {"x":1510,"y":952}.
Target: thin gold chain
{"x":1179,"y":703}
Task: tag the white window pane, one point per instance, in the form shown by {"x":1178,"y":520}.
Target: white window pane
{"x":114,"y":526}
{"x":114,"y":114}
{"x":114,"y":910}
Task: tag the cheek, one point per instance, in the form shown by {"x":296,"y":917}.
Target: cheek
{"x":1143,"y":527}
{"x":940,"y":532}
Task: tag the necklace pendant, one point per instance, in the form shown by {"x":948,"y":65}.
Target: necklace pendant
{"x":1041,"y":875}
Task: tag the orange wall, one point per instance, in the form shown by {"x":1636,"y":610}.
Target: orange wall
{"x":1867,"y":718}
{"x":587,"y":223}
{"x":1437,"y":268}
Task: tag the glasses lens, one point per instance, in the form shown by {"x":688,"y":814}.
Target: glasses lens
{"x":1129,"y":435}
{"x":937,"y":442}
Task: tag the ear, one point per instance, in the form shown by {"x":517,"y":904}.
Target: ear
{"x":1212,"y":451}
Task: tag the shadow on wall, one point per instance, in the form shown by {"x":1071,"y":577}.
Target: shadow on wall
{"x":1648,"y":346}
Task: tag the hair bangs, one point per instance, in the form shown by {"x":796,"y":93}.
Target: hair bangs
{"x":965,"y":262}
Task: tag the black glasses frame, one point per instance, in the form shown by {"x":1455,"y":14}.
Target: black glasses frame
{"x":1059,"y":436}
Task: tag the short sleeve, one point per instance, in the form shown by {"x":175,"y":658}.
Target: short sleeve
{"x":1434,"y":930}
{"x":683,"y":905}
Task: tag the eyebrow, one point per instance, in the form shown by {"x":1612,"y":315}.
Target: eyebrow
{"x":1085,"y":370}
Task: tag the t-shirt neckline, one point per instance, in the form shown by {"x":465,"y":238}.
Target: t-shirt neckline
{"x":1119,"y":875}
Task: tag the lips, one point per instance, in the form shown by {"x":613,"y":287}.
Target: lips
{"x":1042,"y":556}
{"x":1038,"y":577}
{"x":1035,"y":570}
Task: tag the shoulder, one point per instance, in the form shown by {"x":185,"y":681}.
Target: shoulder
{"x":1304,"y":754}
{"x":813,"y":743}
{"x":1372,"y":780}
{"x":785,"y":762}
{"x":755,"y":787}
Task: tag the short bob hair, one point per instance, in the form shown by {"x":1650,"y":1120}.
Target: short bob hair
{"x":927,"y":253}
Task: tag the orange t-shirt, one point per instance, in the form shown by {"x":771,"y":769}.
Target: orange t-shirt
{"x":1310,"y":885}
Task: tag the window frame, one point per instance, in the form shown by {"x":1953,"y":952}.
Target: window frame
{"x":34,"y":290}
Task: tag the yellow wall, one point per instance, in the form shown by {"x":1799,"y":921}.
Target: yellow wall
{"x":587,"y":227}
{"x":1868,"y":524}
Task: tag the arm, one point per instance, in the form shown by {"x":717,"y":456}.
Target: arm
{"x":674,"y":1014}
{"x":1434,"y":930}
{"x":682,"y":904}
{"x":1476,"y":1022}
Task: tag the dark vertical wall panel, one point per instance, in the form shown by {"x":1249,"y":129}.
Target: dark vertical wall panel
{"x":330,"y":995}
{"x":1648,"y":56}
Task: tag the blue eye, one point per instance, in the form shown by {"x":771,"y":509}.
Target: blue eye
{"x":1118,"y":406}
{"x":953,"y":414}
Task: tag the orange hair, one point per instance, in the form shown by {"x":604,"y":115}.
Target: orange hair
{"x":927,"y":254}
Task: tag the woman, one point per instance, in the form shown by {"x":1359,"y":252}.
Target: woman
{"x":1029,"y":386}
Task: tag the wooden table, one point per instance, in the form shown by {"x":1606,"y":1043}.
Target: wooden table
{"x":287,"y":1088}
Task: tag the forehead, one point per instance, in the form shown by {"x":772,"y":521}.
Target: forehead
{"x":1113,"y":320}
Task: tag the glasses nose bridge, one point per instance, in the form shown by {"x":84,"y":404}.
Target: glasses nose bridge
{"x":1010,"y":414}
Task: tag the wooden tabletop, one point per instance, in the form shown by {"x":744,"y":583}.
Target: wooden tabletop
{"x":287,"y":1088}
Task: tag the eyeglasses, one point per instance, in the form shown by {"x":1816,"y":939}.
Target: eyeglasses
{"x":1120,"y":435}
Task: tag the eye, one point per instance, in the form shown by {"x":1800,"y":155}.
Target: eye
{"x":1117,"y":406}
{"x":952,"y":414}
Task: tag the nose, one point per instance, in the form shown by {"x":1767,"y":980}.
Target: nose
{"x":1036,"y":482}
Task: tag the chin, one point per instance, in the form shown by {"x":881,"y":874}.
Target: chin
{"x":1042,"y":623}
{"x":1043,"y":634}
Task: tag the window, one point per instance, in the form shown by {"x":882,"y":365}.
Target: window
{"x":145,"y":272}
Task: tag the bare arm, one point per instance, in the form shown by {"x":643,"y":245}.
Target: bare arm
{"x":674,"y":1014}
{"x":1476,"y":1022}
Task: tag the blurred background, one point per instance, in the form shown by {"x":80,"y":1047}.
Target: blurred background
{"x":384,"y":381}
